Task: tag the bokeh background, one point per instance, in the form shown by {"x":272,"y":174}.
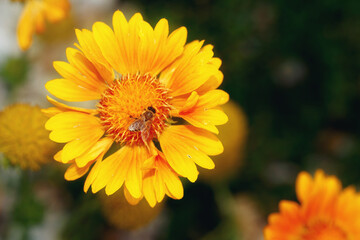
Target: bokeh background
{"x":292,"y":71}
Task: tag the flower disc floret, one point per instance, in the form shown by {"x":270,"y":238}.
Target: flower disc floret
{"x":126,"y":100}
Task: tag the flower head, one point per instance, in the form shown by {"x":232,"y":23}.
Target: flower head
{"x":23,"y":138}
{"x":147,"y":82}
{"x":325,"y":212}
{"x":34,"y":16}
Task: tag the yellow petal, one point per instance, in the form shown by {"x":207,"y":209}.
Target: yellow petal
{"x":170,"y":75}
{"x":156,"y":43}
{"x":173,"y":184}
{"x":119,"y":175}
{"x":101,"y":147}
{"x":149,"y":163}
{"x":93,"y":174}
{"x":26,"y":26}
{"x":206,"y":119}
{"x":84,"y":130}
{"x":112,"y":171}
{"x":71,"y":120}
{"x":161,"y":179}
{"x":132,"y":43}
{"x":67,"y":135}
{"x":69,"y":72}
{"x":127,"y":35}
{"x":121,"y":30}
{"x":56,"y":10}
{"x":200,"y":112}
{"x":92,"y":52}
{"x":133,"y":180}
{"x":213,"y":98}
{"x":39,"y":22}
{"x":51,"y":111}
{"x":74,"y":172}
{"x":156,"y":49}
{"x":129,"y":198}
{"x":303,"y":185}
{"x":108,"y":45}
{"x":85,"y":70}
{"x":67,"y":126}
{"x":60,"y":107}
{"x":159,"y":187}
{"x":176,"y":152}
{"x":57,"y":156}
{"x":185,"y":104}
{"x":71,"y":91}
{"x":149,"y":191}
{"x":78,"y":146}
{"x":147,"y":46}
{"x":174,"y":188}
{"x":290,"y":208}
{"x":212,"y":83}
{"x":197,"y":138}
{"x":174,"y":47}
{"x":191,"y":70}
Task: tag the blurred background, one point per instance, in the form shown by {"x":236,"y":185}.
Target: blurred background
{"x":292,"y":71}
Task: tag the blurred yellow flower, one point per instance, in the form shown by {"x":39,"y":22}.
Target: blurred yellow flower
{"x":120,"y":214}
{"x":143,"y":78}
{"x":34,"y":16}
{"x":23,"y":138}
{"x":233,"y":135}
{"x":325,"y":212}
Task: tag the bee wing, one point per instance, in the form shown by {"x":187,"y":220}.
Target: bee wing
{"x":136,"y":125}
{"x":145,"y":132}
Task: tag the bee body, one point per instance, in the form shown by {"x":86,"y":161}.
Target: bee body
{"x":143,"y":123}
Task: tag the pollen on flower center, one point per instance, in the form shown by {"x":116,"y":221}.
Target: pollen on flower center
{"x":324,"y":231}
{"x":134,"y":109}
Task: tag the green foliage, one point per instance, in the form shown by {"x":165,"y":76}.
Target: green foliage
{"x":28,"y":211}
{"x":14,"y":71}
{"x":85,"y":222}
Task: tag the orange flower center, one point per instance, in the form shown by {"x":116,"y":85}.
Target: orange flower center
{"x":134,"y":109}
{"x":324,"y":231}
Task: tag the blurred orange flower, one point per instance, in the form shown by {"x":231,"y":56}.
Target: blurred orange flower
{"x":143,"y":77}
{"x":325,"y":212}
{"x":34,"y":16}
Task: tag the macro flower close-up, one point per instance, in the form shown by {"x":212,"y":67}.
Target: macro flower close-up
{"x":168,"y":119}
{"x":35,"y":15}
{"x":158,"y":102}
{"x":325,"y":211}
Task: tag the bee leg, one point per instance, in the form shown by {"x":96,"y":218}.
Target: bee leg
{"x":145,"y":139}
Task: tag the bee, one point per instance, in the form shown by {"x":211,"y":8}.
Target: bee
{"x":143,"y":123}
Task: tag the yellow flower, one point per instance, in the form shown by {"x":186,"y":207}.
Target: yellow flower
{"x":145,"y":80}
{"x":34,"y":16}
{"x":325,"y":212}
{"x":119,"y":213}
{"x":23,"y":138}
